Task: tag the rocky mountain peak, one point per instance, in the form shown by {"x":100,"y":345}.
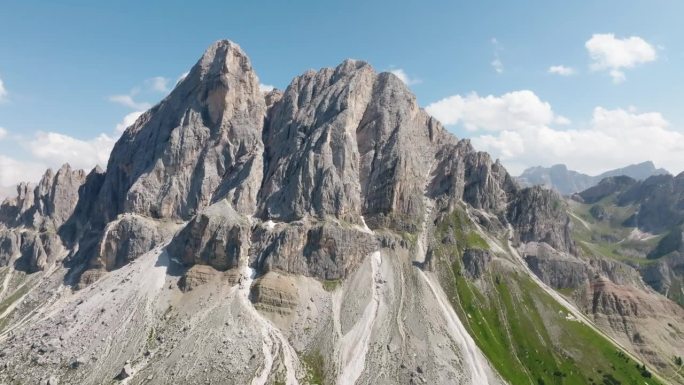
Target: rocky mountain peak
{"x":335,"y":218}
{"x":222,"y":58}
{"x":196,"y":145}
{"x":338,"y":145}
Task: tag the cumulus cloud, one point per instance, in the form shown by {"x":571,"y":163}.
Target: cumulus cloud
{"x":181,"y":77}
{"x":562,"y":70}
{"x":158,"y":84}
{"x":513,"y":110}
{"x":3,"y":91}
{"x":403,"y":76}
{"x":265,"y":87}
{"x":13,"y":171}
{"x":56,"y":149}
{"x":614,"y":55}
{"x":496,"y":63}
{"x":3,"y":133}
{"x":127,"y":121}
{"x":51,"y":150}
{"x":529,"y":134}
{"x":127,"y":101}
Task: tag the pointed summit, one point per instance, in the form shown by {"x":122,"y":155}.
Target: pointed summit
{"x":223,"y":57}
{"x":191,"y":147}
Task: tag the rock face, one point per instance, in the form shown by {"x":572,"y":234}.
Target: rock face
{"x":475,"y":262}
{"x":568,"y":182}
{"x":48,"y":205}
{"x":126,"y":238}
{"x":218,"y":237}
{"x":540,"y":215}
{"x":340,"y":149}
{"x":29,"y":222}
{"x":200,"y":144}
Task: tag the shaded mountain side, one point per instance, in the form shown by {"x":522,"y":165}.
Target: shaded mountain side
{"x":329,"y":233}
{"x":639,"y":222}
{"x":566,"y":182}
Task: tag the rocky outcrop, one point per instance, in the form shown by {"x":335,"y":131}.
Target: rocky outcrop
{"x":326,"y":250}
{"x":30,"y":221}
{"x":539,"y":215}
{"x":348,"y":142}
{"x":48,"y":205}
{"x":666,"y":276}
{"x":128,"y":237}
{"x":311,"y":150}
{"x":198,"y":275}
{"x":461,"y":173}
{"x":28,"y":250}
{"x":218,"y":237}
{"x":563,"y":271}
{"x":475,"y":262}
{"x":275,"y":293}
{"x":558,"y":270}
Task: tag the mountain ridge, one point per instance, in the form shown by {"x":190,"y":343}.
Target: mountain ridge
{"x":568,"y":182}
{"x":333,"y":232}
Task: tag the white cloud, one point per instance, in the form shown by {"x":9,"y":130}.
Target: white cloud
{"x":514,"y":110}
{"x":614,"y":55}
{"x":265,"y":87}
{"x":13,"y":171}
{"x":127,"y":101}
{"x":403,"y":76}
{"x":158,"y":84}
{"x":127,"y":121}
{"x":612,"y":138}
{"x":51,"y":150}
{"x":3,"y":133}
{"x":496,"y":63}
{"x":3,"y":91}
{"x":562,"y":70}
{"x":56,"y":149}
{"x":181,"y":77}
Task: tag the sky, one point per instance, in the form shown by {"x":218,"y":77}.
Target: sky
{"x":592,"y":84}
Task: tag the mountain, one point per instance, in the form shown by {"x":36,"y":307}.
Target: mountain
{"x":567,"y":182}
{"x":640,"y":223}
{"x":330,"y":233}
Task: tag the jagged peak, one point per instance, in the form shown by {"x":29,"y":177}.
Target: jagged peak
{"x":97,"y":170}
{"x":223,"y":61}
{"x":223,"y":56}
{"x":66,"y":167}
{"x":351,"y":65}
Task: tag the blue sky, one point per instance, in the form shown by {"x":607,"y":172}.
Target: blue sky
{"x":63,"y":65}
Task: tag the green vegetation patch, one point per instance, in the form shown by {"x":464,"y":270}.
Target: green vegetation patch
{"x":331,"y":284}
{"x":455,"y":233}
{"x":315,"y":368}
{"x":527,"y":336}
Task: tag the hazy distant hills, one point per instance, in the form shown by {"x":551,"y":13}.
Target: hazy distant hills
{"x":565,"y":181}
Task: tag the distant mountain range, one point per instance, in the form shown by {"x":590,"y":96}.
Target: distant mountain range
{"x":640,"y":222}
{"x":566,"y":182}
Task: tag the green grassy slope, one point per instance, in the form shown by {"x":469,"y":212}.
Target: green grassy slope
{"x":526,"y":334}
